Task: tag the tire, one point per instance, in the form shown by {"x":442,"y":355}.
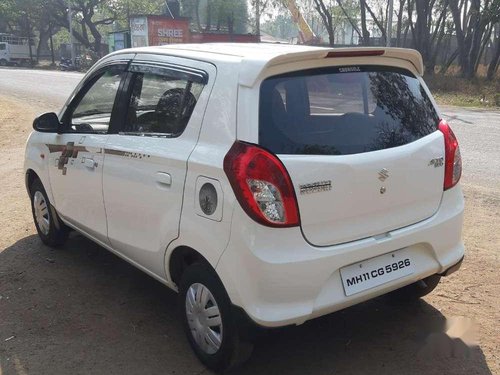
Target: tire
{"x":417,"y":290}
{"x":3,"y":62}
{"x":49,"y":226}
{"x":200,"y":290}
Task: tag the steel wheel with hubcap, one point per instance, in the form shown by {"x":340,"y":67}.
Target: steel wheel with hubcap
{"x":50,"y":228}
{"x":204,"y":318}
{"x":208,"y":320}
{"x":42,"y":215}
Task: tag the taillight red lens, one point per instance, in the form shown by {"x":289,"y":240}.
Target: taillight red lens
{"x":262,"y":185}
{"x":453,"y":159}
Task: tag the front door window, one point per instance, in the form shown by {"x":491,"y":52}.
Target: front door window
{"x":92,"y":114}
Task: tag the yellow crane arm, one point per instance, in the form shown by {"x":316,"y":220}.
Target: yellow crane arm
{"x":305,"y":32}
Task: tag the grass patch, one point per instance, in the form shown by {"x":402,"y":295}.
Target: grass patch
{"x":454,"y":90}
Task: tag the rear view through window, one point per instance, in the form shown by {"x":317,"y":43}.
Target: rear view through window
{"x":343,"y":110}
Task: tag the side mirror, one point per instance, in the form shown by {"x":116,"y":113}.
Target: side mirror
{"x":47,"y":123}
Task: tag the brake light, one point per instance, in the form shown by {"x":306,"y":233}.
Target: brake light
{"x":452,"y":157}
{"x":262,"y":185}
{"x":358,"y":53}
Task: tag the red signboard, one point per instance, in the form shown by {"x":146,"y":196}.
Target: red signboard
{"x":149,"y":30}
{"x":163,"y":30}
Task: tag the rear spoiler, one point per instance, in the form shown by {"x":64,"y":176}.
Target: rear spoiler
{"x":251,"y":68}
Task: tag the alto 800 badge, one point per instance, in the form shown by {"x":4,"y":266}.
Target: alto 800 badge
{"x":316,"y":187}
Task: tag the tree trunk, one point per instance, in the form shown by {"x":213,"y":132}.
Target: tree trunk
{"x":257,"y":18}
{"x":444,"y":68}
{"x":377,"y":22}
{"x":350,"y":20}
{"x":364,"y":29}
{"x":484,"y":43}
{"x":197,"y":14}
{"x":461,"y":43}
{"x":209,"y":17}
{"x":97,"y":36}
{"x":445,"y":53}
{"x":495,"y":60}
{"x":43,"y":41}
{"x":326,"y":18}
{"x":435,"y":46}
{"x":400,"y":22}
{"x":477,"y":26}
{"x":421,"y":35}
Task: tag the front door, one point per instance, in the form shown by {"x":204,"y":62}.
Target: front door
{"x":77,"y":154}
{"x":146,"y":163}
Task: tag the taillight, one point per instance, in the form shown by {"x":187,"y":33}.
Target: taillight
{"x":452,"y":158}
{"x":262,"y":185}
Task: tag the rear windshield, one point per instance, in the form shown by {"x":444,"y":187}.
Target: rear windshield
{"x":343,"y":110}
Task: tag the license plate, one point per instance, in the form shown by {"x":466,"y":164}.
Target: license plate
{"x":376,"y":271}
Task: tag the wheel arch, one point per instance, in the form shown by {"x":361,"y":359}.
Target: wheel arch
{"x":30,"y":177}
{"x":181,"y":258}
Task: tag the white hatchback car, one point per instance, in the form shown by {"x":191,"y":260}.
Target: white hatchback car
{"x":267,"y":184}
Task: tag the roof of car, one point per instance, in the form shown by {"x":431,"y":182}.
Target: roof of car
{"x":254,"y":57}
{"x":242,"y":49}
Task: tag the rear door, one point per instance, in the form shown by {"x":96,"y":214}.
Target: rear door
{"x":360,"y":145}
{"x":146,"y":162}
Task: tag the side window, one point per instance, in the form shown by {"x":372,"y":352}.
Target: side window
{"x":92,"y":114}
{"x":160,"y":104}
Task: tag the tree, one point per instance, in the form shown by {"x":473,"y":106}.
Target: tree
{"x":335,"y":15}
{"x":325,"y":13}
{"x":19,"y":16}
{"x":217,"y":15}
{"x":90,"y":16}
{"x":259,"y":7}
{"x":495,"y":60}
{"x":428,"y":29}
{"x":351,"y":13}
{"x":282,"y":26}
{"x":378,"y":23}
{"x":365,"y":40}
{"x":471,"y":26}
{"x":26,"y":18}
{"x":399,"y":22}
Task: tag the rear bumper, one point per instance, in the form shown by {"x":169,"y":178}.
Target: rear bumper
{"x":453,"y":268}
{"x":279,"y":279}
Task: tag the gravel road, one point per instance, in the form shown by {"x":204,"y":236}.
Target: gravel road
{"x":42,"y":90}
{"x":81,"y":310}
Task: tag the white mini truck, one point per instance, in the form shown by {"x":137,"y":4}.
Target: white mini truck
{"x":267,"y":184}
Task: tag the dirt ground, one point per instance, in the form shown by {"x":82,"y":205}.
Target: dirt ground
{"x":81,"y":310}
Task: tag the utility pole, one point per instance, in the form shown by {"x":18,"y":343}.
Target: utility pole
{"x":71,"y":34}
{"x":389,"y":23}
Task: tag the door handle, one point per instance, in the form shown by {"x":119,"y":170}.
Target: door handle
{"x":164,"y":178}
{"x":89,"y":163}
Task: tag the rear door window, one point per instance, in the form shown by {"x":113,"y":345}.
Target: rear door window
{"x":343,"y":110}
{"x":161,"y":105}
{"x":161,"y":101}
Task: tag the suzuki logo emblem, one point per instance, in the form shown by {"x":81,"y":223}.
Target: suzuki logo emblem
{"x":383,"y":174}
